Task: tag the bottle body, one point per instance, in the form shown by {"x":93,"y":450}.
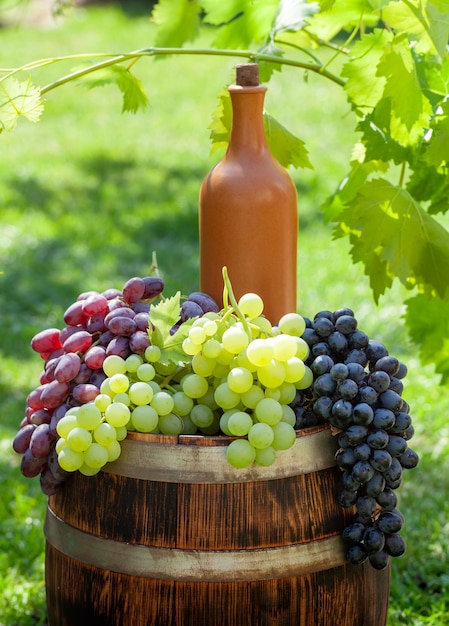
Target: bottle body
{"x":248,"y":219}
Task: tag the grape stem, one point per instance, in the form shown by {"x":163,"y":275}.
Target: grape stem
{"x":230,"y":294}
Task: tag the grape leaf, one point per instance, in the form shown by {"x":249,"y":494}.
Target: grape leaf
{"x":132,"y":89}
{"x":426,"y":184}
{"x":291,"y":16}
{"x":427,"y":320}
{"x":386,"y":220}
{"x":163,"y":317}
{"x":377,"y":141}
{"x":177,"y":21}
{"x":341,"y":15}
{"x":220,"y":126}
{"x":359,"y":173}
{"x":437,"y":150}
{"x":426,"y":23}
{"x":19,"y":99}
{"x":364,"y":87}
{"x":284,"y":146}
{"x":241,"y":22}
{"x":410,"y":109}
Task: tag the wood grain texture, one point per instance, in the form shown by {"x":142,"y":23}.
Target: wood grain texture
{"x":241,"y":516}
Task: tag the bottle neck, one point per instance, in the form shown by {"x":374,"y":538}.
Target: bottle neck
{"x":248,"y":132}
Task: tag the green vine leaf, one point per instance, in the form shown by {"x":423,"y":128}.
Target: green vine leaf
{"x":427,"y":320}
{"x":178,"y":21}
{"x":284,"y":146}
{"x":292,"y":16}
{"x":163,"y":317}
{"x":363,"y":86}
{"x":425,"y":23}
{"x":241,"y":22}
{"x":131,"y":87}
{"x":19,"y":99}
{"x":384,"y":220}
{"x":410,"y":109}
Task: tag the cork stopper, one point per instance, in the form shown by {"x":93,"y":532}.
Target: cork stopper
{"x":247,"y":75}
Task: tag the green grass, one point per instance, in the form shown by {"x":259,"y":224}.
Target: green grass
{"x":87,"y":194}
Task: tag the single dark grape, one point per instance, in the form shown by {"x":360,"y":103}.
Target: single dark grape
{"x":338,"y":342}
{"x":322,"y":364}
{"x":328,"y":315}
{"x":347,"y":498}
{"x":324,"y":385}
{"x":346,"y":459}
{"x":346,"y":324}
{"x":368,"y":395}
{"x":206,"y":302}
{"x":190,"y":309}
{"x":373,"y":540}
{"x":358,"y":340}
{"x":362,"y":414}
{"x":380,"y":381}
{"x":379,"y":560}
{"x":377,"y":439}
{"x":348,"y":389}
{"x":396,"y":445}
{"x":356,"y":371}
{"x":395,"y":545}
{"x":366,"y":506}
{"x":390,"y":521}
{"x":310,"y":337}
{"x":356,"y":434}
{"x":375,"y":351}
{"x":402,"y":371}
{"x":323,"y":407}
{"x":321,"y":348}
{"x":381,"y":460}
{"x":388,"y":500}
{"x":362,"y":452}
{"x":389,"y":364}
{"x":362,"y":471}
{"x":356,"y":554}
{"x":354,"y":533}
{"x":343,"y":311}
{"x":375,"y":485}
{"x":323,"y":326}
{"x":356,"y":356}
{"x":383,"y":418}
{"x":396,"y":385}
{"x":389,"y":399}
{"x":339,"y":372}
{"x":408,"y":459}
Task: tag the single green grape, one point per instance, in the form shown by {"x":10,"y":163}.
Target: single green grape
{"x":117,"y":414}
{"x":251,"y":305}
{"x":240,"y":453}
{"x":114,"y":364}
{"x":292,"y":324}
{"x":239,"y":423}
{"x":261,"y":436}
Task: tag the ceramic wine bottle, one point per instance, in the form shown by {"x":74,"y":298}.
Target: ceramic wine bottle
{"x":248,"y":218}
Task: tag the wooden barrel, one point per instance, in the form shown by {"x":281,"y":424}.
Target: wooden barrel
{"x":172,"y":535}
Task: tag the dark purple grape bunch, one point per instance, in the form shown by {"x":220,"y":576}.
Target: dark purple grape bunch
{"x":357,"y":388}
{"x":96,"y":325}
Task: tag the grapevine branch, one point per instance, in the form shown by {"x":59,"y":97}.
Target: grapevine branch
{"x":151,"y":52}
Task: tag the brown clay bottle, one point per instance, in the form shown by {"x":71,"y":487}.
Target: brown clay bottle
{"x":248,"y":218}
